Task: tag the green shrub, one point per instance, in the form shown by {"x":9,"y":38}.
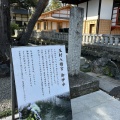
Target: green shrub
{"x":13,"y":26}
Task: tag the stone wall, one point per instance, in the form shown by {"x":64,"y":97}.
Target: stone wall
{"x":98,"y":51}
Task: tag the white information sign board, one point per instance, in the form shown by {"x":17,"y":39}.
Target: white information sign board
{"x":40,"y":73}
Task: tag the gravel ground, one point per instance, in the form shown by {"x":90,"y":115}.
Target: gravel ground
{"x":5,"y":93}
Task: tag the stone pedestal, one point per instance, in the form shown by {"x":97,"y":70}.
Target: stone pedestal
{"x":82,"y":84}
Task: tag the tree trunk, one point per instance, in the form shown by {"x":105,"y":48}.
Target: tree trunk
{"x":75,"y":40}
{"x":4,"y":27}
{"x":41,"y":5}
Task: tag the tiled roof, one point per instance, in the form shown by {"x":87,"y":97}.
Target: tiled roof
{"x":73,"y":1}
{"x":20,"y":11}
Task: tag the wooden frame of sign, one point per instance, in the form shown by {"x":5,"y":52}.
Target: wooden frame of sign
{"x":13,"y":90}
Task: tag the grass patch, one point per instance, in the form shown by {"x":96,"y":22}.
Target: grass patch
{"x":7,"y":113}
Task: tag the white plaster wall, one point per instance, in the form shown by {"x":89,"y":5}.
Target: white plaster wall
{"x":18,"y":18}
{"x":49,"y":25}
{"x":18,"y":15}
{"x":63,"y":11}
{"x":67,"y":25}
{"x":106,"y":9}
{"x":55,"y":15}
{"x":56,"y":12}
{"x":24,"y":16}
{"x":83,"y":5}
{"x":24,"y":19}
{"x":42,"y":26}
{"x":54,"y":26}
{"x":63,"y":16}
{"x":64,"y":25}
{"x":68,"y":11}
{"x":93,"y":6}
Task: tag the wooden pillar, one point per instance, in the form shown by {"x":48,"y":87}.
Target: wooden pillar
{"x":75,"y":40}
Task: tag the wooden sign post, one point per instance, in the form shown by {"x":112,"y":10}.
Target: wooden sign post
{"x":13,"y":92}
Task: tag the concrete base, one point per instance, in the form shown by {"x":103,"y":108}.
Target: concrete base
{"x":105,"y":83}
{"x":96,"y":106}
{"x":82,"y":84}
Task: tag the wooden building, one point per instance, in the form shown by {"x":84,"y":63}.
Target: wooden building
{"x":54,"y":20}
{"x":19,"y":16}
{"x":100,"y":16}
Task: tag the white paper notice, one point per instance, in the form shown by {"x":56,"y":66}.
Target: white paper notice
{"x":40,"y":72}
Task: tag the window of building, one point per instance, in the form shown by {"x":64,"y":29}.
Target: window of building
{"x":38,"y":26}
{"x":45,"y":25}
{"x":59,"y":25}
{"x":118,"y":17}
{"x":19,"y":23}
{"x":14,"y":17}
{"x":92,"y":29}
{"x":51,"y":25}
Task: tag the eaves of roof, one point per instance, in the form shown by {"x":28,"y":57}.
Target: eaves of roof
{"x":54,"y":19}
{"x":52,"y":11}
{"x":20,"y":11}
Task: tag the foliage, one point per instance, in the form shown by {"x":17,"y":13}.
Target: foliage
{"x":107,"y":71}
{"x":13,"y":26}
{"x":5,"y":113}
{"x":54,"y":4}
{"x":31,"y":117}
{"x":47,"y":9}
{"x":25,"y":3}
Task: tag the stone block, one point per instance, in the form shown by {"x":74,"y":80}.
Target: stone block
{"x":82,"y":84}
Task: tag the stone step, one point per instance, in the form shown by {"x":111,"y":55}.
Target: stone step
{"x":82,"y":84}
